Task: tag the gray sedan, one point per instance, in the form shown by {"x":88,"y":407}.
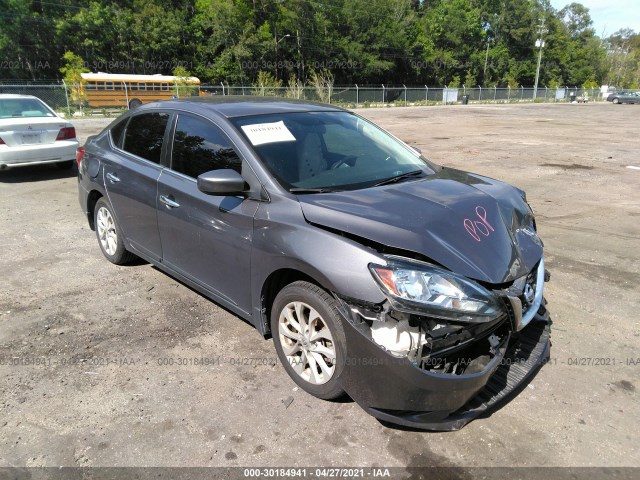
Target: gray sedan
{"x":624,"y":97}
{"x":414,"y":288}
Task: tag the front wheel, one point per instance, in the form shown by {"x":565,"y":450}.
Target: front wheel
{"x":309,"y":338}
{"x":109,"y":235}
{"x":615,"y":100}
{"x":135,"y":103}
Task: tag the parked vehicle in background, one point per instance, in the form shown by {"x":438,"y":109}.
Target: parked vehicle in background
{"x":415,"y":288}
{"x":624,"y":97}
{"x":131,"y":91}
{"x":31,"y":133}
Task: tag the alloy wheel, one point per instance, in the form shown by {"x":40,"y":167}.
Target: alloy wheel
{"x":107,"y":231}
{"x":307,"y":343}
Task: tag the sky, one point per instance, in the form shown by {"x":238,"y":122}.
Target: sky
{"x":609,"y":15}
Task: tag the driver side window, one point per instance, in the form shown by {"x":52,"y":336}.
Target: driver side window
{"x":199,"y":146}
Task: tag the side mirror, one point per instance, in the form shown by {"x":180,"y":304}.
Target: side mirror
{"x":222,"y":182}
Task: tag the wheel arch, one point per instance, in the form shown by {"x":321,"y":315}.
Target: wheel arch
{"x":92,"y":199}
{"x":279,"y":279}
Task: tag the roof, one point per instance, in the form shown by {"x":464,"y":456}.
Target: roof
{"x":16,"y":95}
{"x":243,"y":105}
{"x":135,"y":78}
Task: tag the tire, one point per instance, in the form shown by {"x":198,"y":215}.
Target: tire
{"x":307,"y":359}
{"x":108,"y":234}
{"x":66,"y":165}
{"x":134,"y":103}
{"x":615,"y":100}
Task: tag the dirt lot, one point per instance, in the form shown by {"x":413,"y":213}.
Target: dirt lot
{"x":86,"y":346}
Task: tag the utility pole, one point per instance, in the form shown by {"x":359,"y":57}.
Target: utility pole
{"x":275,"y":37}
{"x":487,"y":27}
{"x":486,"y":60}
{"x":540,"y":45}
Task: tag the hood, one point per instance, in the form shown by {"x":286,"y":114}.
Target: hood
{"x":475,"y":226}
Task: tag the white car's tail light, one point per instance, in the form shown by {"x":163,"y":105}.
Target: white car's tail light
{"x":66,"y":133}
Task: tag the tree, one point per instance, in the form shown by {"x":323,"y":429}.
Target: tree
{"x":322,"y":81}
{"x":72,"y":71}
{"x":181,"y":83}
{"x":266,"y":84}
{"x":490,"y":42}
{"x":623,"y":59}
{"x":577,"y":19}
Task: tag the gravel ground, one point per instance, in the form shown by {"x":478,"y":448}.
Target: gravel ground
{"x":91,"y":371}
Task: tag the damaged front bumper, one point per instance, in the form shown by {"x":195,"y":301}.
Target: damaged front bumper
{"x":458,"y":381}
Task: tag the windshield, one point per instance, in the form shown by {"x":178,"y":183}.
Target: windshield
{"x":23,"y":107}
{"x":329,"y":151}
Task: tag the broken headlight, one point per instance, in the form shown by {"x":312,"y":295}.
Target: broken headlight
{"x":421,"y":288}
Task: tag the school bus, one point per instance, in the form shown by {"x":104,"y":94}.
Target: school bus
{"x":116,"y":90}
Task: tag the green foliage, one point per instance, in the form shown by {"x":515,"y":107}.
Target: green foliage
{"x":294,"y":87}
{"x":266,"y":84}
{"x":470,"y":79}
{"x":322,"y":81}
{"x":394,"y":42}
{"x":72,"y":71}
{"x":623,"y":59}
{"x":512,"y":82}
{"x":181,"y":86}
{"x":73,"y":68}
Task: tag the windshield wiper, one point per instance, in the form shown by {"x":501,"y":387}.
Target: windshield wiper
{"x":312,"y":190}
{"x":397,"y":178}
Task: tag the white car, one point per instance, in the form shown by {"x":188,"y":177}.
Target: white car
{"x":31,"y":133}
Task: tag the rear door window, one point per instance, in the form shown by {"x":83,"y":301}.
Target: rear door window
{"x":199,"y":146}
{"x":116,"y":133}
{"x":144,"y":135}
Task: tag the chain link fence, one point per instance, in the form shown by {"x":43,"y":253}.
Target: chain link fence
{"x":354,"y":95}
{"x":53,"y":95}
{"x":61,"y":97}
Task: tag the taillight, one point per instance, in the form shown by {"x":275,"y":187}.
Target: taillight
{"x":66,"y":133}
{"x":1,"y":141}
{"x":79,"y":155}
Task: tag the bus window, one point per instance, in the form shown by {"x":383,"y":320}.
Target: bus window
{"x":165,"y":87}
{"x":142,"y":86}
{"x":91,"y":86}
{"x":156,"y":86}
{"x":108,"y":86}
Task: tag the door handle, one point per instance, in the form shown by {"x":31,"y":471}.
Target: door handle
{"x":113,"y":178}
{"x":170,"y":203}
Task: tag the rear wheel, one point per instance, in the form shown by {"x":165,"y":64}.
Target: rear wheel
{"x":309,"y":338}
{"x":615,"y":100}
{"x":134,"y":103}
{"x":108,"y":234}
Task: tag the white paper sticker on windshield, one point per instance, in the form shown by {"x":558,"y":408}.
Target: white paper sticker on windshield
{"x":261,"y":133}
